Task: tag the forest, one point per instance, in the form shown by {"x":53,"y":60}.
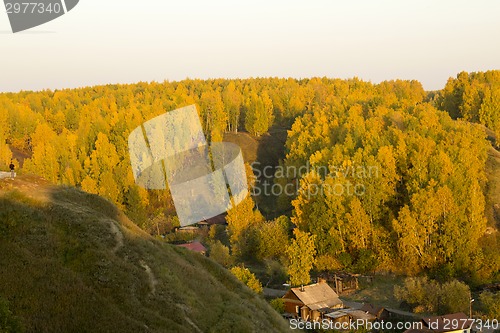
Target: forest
{"x":395,"y":180}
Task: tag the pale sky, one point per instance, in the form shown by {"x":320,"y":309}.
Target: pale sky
{"x":125,"y":41}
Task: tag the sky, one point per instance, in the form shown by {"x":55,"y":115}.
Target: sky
{"x":125,"y":41}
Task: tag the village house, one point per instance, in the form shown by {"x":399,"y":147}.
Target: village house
{"x":195,"y":247}
{"x":342,"y":283}
{"x":348,"y":315}
{"x":379,"y":312}
{"x":312,"y":302}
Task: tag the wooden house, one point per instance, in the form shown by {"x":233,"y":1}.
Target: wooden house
{"x":312,"y":302}
{"x":379,"y":312}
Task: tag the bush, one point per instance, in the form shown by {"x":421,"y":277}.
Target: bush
{"x":454,"y":297}
{"x":276,"y":272}
{"x":278,"y":304}
{"x":220,"y":253}
{"x":490,"y":304}
{"x":248,"y":278}
{"x":425,"y":295}
{"x":420,"y":293}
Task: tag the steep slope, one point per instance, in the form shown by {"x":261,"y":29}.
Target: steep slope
{"x":72,"y":262}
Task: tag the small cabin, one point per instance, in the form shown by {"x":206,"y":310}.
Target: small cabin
{"x":379,"y":312}
{"x":312,"y":302}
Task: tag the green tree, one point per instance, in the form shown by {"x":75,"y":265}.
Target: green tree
{"x":454,"y":297}
{"x":419,"y":292}
{"x":220,"y":253}
{"x":430,"y":296}
{"x":490,"y":303}
{"x":301,"y":257}
{"x":359,"y":228}
{"x":214,"y":117}
{"x":134,"y":206}
{"x":273,"y":238}
{"x":232,"y":99}
{"x":278,"y":304}
{"x":5,"y":152}
{"x":259,"y":116}
{"x":240,"y":220}
{"x":248,"y":278}
{"x":102,"y":166}
{"x":489,"y":113}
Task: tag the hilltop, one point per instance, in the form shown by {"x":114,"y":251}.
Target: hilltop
{"x":72,"y":262}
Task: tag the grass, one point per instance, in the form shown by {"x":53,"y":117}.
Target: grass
{"x":379,"y":291}
{"x":249,"y":145}
{"x":64,"y":268}
{"x":266,"y":150}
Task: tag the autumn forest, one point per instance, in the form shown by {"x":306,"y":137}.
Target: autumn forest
{"x":416,"y":162}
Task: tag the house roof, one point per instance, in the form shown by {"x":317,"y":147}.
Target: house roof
{"x":372,"y":309}
{"x":351,"y":313}
{"x":317,"y":296}
{"x":219,"y":219}
{"x":359,"y":314}
{"x":444,"y":322}
{"x":188,"y":228}
{"x":336,"y":314}
{"x":194,"y":246}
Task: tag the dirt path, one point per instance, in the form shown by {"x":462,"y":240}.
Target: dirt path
{"x":152,"y":279}
{"x":33,"y":187}
{"x":115,"y":230}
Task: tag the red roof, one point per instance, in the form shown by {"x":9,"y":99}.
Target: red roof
{"x":194,"y":246}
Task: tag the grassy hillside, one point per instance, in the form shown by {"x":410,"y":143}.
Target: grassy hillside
{"x":72,"y":262}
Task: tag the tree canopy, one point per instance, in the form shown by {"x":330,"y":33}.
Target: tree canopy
{"x":389,"y":179}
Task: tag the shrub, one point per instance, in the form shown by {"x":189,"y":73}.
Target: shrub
{"x":490,"y":304}
{"x":425,"y":295}
{"x":278,"y":304}
{"x":248,"y":278}
{"x":220,"y":253}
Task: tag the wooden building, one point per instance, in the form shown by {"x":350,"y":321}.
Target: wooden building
{"x":379,"y":312}
{"x":341,"y":282}
{"x":312,"y":302}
